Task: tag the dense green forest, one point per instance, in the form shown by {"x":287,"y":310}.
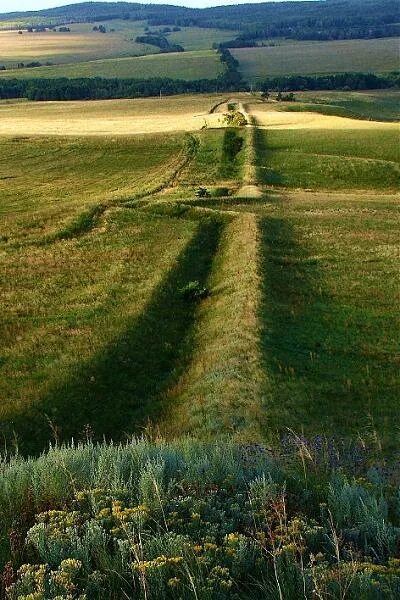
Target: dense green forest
{"x":332,"y":19}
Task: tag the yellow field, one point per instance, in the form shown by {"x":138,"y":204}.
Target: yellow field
{"x":59,"y":48}
{"x":109,"y":117}
{"x":273,"y":118}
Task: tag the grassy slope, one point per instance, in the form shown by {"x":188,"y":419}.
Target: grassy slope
{"x":81,"y":44}
{"x":64,"y":301}
{"x":379,"y":105}
{"x":203,"y":64}
{"x":46,"y":182}
{"x":294,"y":244}
{"x":112,"y":117}
{"x":319,"y":57}
{"x":324,"y":159}
{"x":330,"y":316}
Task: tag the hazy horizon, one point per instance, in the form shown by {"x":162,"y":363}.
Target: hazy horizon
{"x":33,"y":5}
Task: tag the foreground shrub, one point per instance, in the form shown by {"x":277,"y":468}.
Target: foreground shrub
{"x":184,"y":520}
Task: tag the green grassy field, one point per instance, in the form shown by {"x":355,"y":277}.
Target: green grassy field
{"x":82,"y":44}
{"x":66,"y":234}
{"x":45,"y":183}
{"x":329,"y":315}
{"x":380,"y":105}
{"x":203,"y":64}
{"x":318,"y":57}
{"x":200,"y":38}
{"x":249,"y":340}
{"x":329,"y":159}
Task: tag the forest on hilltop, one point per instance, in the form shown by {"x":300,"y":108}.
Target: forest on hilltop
{"x":331,"y":19}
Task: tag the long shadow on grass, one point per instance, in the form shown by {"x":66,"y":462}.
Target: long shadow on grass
{"x":265,"y":175}
{"x":310,"y":354}
{"x":120,"y":390}
{"x":231,"y":146}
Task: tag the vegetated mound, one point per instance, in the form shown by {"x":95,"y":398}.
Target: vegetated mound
{"x":214,"y":520}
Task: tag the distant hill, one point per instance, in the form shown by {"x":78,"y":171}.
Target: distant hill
{"x":320,"y":20}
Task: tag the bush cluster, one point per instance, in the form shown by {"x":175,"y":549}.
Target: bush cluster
{"x":189,"y":519}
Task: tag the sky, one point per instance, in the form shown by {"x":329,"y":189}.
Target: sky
{"x":23,"y":5}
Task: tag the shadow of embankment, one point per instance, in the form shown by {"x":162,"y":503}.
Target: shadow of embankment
{"x":120,"y":389}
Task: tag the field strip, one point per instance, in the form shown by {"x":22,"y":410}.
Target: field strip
{"x":39,"y":123}
{"x":221,"y":390}
{"x":280,"y":119}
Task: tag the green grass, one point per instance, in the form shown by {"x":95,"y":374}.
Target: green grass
{"x":85,"y":287}
{"x":200,"y":38}
{"x":377,"y":55}
{"x":87,"y":331}
{"x":330,"y":317}
{"x":212,"y":166}
{"x":379,"y":105}
{"x":203,"y":64}
{"x":329,"y":159}
{"x":46,"y":182}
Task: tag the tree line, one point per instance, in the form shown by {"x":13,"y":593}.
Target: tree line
{"x":336,"y":81}
{"x":102,"y":89}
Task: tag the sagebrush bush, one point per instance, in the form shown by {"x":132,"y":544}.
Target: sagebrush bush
{"x":188,"y":519}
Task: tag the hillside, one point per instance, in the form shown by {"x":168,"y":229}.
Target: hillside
{"x":334,"y":19}
{"x":199,"y":284}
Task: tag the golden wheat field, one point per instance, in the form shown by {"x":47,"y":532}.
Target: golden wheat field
{"x":110,"y":117}
{"x":272,"y":118}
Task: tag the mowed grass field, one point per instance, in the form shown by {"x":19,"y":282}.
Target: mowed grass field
{"x":91,"y":298}
{"x":45,"y":183}
{"x":330,"y":322}
{"x":202,"y":64}
{"x":330,"y":159}
{"x":298,"y":328}
{"x":76,"y":46}
{"x":110,"y":117}
{"x":377,"y":55}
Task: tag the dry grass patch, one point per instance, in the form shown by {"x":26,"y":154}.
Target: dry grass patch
{"x":69,"y":47}
{"x":269,"y":117}
{"x":109,"y":117}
